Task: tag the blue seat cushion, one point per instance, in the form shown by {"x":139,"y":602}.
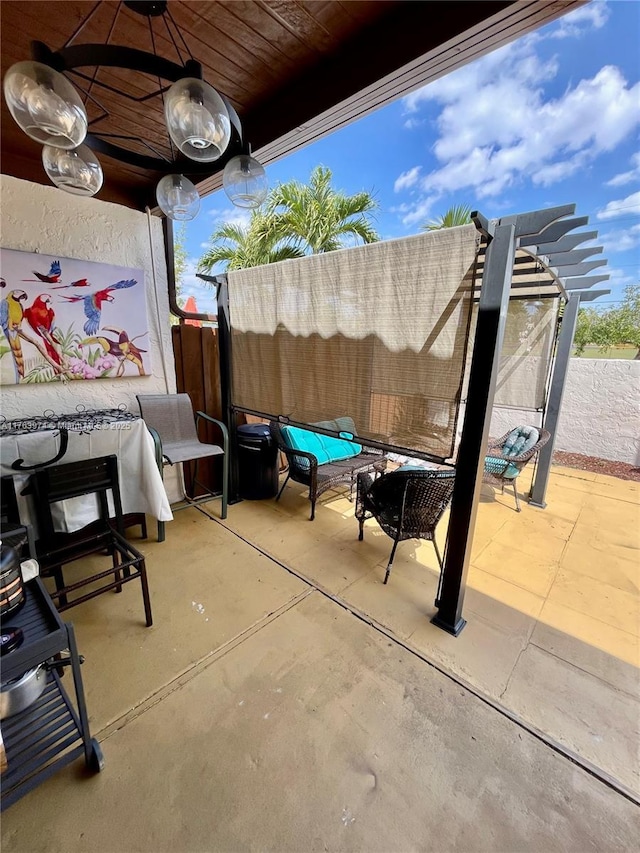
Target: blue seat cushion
{"x":494,"y":465}
{"x":520,"y":440}
{"x":324,"y":447}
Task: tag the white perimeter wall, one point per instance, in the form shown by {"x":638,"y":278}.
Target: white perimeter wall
{"x":37,"y":218}
{"x":600,"y":413}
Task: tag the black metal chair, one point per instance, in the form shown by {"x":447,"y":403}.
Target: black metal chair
{"x":55,"y":549}
{"x":170,"y":420}
{"x":406,"y":504}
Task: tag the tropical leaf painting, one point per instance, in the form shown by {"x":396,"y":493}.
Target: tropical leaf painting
{"x":63,"y":319}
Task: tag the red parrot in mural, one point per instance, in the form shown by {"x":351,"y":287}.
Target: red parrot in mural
{"x":93,"y":303}
{"x":53,"y":276}
{"x":40,"y":316}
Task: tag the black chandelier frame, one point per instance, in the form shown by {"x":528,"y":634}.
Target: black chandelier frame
{"x":70,"y":58}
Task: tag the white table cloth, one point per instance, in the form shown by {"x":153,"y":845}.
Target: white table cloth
{"x":141,"y":485}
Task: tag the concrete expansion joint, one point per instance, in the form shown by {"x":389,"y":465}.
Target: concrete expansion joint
{"x":196,"y":668}
{"x":615,"y":687}
{"x":560,"y":749}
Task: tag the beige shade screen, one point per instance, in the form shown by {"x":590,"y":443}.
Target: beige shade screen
{"x":527,"y":351}
{"x":377,"y":332}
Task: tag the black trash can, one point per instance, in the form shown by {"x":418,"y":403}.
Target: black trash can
{"x":257,"y":462}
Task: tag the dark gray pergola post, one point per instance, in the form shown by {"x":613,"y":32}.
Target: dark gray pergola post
{"x":226,"y":379}
{"x":528,"y":228}
{"x":554,"y":401}
{"x":492,"y":315}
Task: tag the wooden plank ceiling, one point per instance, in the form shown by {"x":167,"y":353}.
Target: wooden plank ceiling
{"x":293,"y":70}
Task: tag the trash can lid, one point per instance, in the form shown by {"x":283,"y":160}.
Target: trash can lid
{"x":254,"y":430}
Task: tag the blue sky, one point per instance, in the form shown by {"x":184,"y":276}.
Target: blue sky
{"x":550,"y":119}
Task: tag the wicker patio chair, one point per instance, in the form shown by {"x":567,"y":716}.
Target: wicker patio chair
{"x":304,"y":468}
{"x":170,"y":420}
{"x":406,"y":504}
{"x":501,"y":467}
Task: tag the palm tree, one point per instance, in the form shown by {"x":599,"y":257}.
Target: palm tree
{"x":317,"y":217}
{"x":239,"y":247}
{"x":459,"y":214}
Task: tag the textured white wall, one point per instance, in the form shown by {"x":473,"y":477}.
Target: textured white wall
{"x":600,"y":413}
{"x":37,"y":218}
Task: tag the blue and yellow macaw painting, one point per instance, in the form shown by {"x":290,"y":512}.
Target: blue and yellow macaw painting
{"x":54,"y":313}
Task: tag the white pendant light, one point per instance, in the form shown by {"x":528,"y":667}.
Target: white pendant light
{"x":77,"y":171}
{"x":45,"y":105}
{"x":178,"y":198}
{"x":245,"y":181}
{"x":197,"y":119}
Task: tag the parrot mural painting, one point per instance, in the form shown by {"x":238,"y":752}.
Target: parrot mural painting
{"x":55,"y":311}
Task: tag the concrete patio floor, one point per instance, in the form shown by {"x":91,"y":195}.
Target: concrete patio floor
{"x":267,"y":711}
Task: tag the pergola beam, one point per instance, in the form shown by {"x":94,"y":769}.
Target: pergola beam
{"x":554,"y":232}
{"x":565,"y":244}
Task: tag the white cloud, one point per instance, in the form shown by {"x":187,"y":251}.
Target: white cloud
{"x":621,"y":207}
{"x":593,"y":15}
{"x":617,"y":279}
{"x":407,"y":179}
{"x":203,"y":292}
{"x":418,"y":213}
{"x":412,"y":123}
{"x":496,"y":129}
{"x":229,"y":216}
{"x":627,"y":177}
{"x":622,"y":240}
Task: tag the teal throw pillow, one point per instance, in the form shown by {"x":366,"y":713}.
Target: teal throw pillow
{"x":520,"y":440}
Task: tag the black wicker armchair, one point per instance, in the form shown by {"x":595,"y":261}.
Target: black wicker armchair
{"x":407,"y":504}
{"x":305,"y":469}
{"x":501,"y":468}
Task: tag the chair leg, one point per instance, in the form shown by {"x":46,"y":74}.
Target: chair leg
{"x":117,"y":574}
{"x":142,"y":568}
{"x":313,"y":509}
{"x":58,"y":577}
{"x":393,"y":553}
{"x":361,"y":533}
{"x":225,"y":484}
{"x":438,"y":593}
{"x":282,"y":487}
{"x":515,"y":494}
{"x":143,"y":527}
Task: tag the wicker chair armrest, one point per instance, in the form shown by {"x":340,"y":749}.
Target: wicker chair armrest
{"x":223,"y":428}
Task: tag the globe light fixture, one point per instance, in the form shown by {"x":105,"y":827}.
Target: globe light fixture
{"x":202,"y":125}
{"x":197,"y":120}
{"x":245,"y":181}
{"x":178,"y":198}
{"x":45,"y":105}
{"x":77,"y":171}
